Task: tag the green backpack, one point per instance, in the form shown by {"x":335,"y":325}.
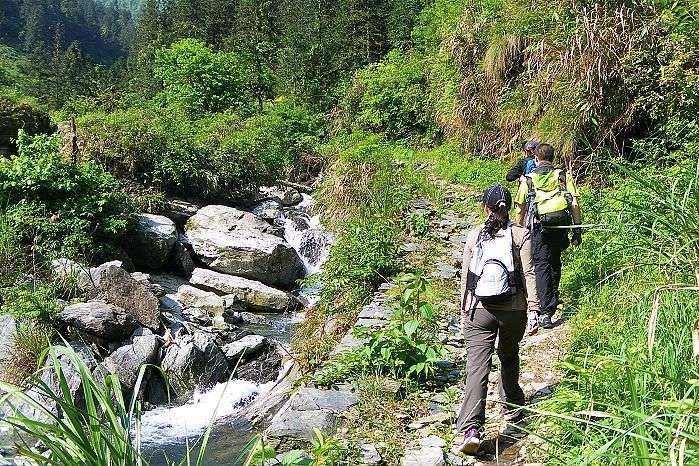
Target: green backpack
{"x":549,"y":201}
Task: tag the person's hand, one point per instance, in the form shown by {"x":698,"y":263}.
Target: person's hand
{"x":576,"y":240}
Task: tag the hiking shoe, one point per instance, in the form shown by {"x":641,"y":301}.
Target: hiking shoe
{"x":545,"y":321}
{"x":532,"y":324}
{"x":469,"y":443}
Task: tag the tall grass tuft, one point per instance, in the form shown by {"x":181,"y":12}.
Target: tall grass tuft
{"x":96,"y":426}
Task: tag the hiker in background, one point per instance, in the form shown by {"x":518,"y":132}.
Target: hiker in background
{"x":525,"y":165}
{"x":547,"y":200}
{"x":498,"y":285}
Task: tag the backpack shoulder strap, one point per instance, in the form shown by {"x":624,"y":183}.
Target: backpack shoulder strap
{"x":530,"y":184}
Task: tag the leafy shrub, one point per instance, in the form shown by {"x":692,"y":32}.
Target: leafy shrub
{"x":391,"y":97}
{"x":219,"y":157}
{"x":39,"y":304}
{"x":197,"y":79}
{"x":364,"y":179}
{"x":15,"y":115}
{"x":405,"y":348}
{"x":363,"y":256}
{"x":59,"y":207}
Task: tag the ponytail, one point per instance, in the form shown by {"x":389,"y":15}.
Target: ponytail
{"x":498,"y":200}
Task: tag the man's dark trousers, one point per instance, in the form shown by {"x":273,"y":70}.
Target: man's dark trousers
{"x":548,"y":244}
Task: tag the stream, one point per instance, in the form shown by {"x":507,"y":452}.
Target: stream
{"x":167,"y":432}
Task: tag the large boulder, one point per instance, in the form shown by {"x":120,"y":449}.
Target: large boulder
{"x":194,"y":362}
{"x":245,"y":348}
{"x":214,"y":305}
{"x":115,"y":285}
{"x":181,"y":258}
{"x":254,"y":295}
{"x":126,"y":361}
{"x":239,"y":243}
{"x":151,"y":241}
{"x":98,"y":319}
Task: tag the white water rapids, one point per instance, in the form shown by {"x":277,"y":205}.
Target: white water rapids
{"x":166,"y":429}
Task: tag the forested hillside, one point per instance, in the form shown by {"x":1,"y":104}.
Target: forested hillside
{"x":154,"y":132}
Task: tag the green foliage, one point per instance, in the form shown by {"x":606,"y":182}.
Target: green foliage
{"x":199,"y":80}
{"x":324,"y":451}
{"x":391,"y":97}
{"x":405,"y":348}
{"x":362,"y":257}
{"x":634,"y":288}
{"x":219,"y":157}
{"x":59,"y":207}
{"x":39,"y":304}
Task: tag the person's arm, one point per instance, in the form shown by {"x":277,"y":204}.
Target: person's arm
{"x":521,"y":201}
{"x":464,"y":301}
{"x":516,"y":171}
{"x":526,"y":256}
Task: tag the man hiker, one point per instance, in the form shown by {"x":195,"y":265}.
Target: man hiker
{"x":498,"y":285}
{"x":548,"y":206}
{"x":525,"y":165}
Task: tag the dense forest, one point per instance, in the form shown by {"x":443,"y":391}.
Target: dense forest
{"x":395,"y":114}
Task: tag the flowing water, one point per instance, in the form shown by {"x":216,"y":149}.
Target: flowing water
{"x":166,"y":432}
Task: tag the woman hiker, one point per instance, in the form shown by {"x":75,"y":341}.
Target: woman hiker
{"x":498,"y":287}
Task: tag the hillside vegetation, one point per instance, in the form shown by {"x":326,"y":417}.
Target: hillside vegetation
{"x":391,"y":102}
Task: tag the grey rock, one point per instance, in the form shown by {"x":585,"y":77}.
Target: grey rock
{"x":194,"y":362}
{"x":115,"y":285}
{"x":239,"y":243}
{"x":445,"y":271}
{"x":246,"y":347}
{"x":212,"y":304}
{"x":269,"y":210}
{"x":376,"y":311}
{"x":301,"y":425}
{"x":151,"y":241}
{"x":98,"y":319}
{"x":335,"y":401}
{"x":126,"y":361}
{"x":424,"y":456}
{"x":181,"y":259}
{"x":370,"y":455}
{"x":254,"y":295}
{"x":291,"y":197}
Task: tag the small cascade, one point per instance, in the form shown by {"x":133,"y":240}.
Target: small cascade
{"x":304,"y":232}
{"x":166,"y":425}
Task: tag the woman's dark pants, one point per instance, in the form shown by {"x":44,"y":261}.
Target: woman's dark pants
{"x":480,"y":333}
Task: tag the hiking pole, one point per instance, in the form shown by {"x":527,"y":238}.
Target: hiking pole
{"x":570,"y":227}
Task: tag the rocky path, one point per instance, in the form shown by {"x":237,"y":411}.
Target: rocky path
{"x":429,"y":435}
{"x":539,"y":355}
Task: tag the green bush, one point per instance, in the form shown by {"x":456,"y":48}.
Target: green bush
{"x":219,"y":157}
{"x":59,"y":207}
{"x":197,"y":79}
{"x":405,"y":348}
{"x":391,"y":97}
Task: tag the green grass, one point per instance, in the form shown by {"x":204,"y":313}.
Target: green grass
{"x":634,"y":303}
